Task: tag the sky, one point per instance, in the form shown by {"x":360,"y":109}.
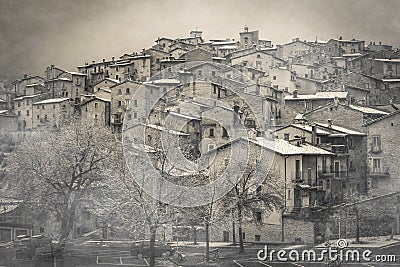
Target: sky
{"x":37,"y":33}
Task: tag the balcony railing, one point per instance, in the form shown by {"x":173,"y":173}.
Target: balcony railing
{"x":329,"y":171}
{"x":376,"y":149}
{"x":379,"y":171}
{"x":336,"y":149}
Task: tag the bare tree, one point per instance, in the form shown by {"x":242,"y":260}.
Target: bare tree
{"x":55,"y":167}
{"x":247,"y":204}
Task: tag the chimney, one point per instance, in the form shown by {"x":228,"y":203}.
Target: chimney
{"x":113,"y":59}
{"x":25,"y":76}
{"x":93,"y":61}
{"x":329,"y":123}
{"x":340,"y":38}
{"x":314,"y":134}
{"x":104,"y":60}
{"x":380,"y":43}
{"x":295,"y":93}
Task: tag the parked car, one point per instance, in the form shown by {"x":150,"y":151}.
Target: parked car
{"x":142,"y":249}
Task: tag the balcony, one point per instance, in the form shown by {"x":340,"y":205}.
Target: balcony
{"x":296,"y":176}
{"x":330,"y":172}
{"x":379,"y":172}
{"x":376,"y":149}
{"x":336,"y":149}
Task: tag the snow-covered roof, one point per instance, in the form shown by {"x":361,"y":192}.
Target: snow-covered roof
{"x":319,"y":95}
{"x":341,"y":129}
{"x":352,"y":55}
{"x":27,"y":96}
{"x":76,"y":73}
{"x":228,"y":47}
{"x":3,"y":111}
{"x":224,"y":43}
{"x":285,"y":148}
{"x":368,"y":110}
{"x":391,"y":80}
{"x":8,"y":204}
{"x":396,"y":60}
{"x":33,"y":84}
{"x":51,"y":101}
{"x":2,"y":101}
{"x":308,"y":128}
{"x":164,"y":81}
{"x":347,"y":41}
{"x":183,"y":116}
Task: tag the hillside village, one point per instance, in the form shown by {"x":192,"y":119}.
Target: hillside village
{"x":333,"y":121}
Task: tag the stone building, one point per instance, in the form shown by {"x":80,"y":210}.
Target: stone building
{"x":383,"y":152}
{"x":23,"y":108}
{"x":50,"y":112}
{"x":350,"y":116}
{"x":97,"y":110}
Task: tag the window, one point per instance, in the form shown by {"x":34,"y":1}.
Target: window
{"x":116,"y":77}
{"x":96,"y":105}
{"x":318,"y":140}
{"x":200,"y":72}
{"x":27,"y":112}
{"x":127,"y":91}
{"x":211,"y":132}
{"x":210,"y":147}
{"x":286,"y":136}
{"x":95,"y":117}
{"x":376,"y":165}
{"x":213,"y":73}
{"x":389,"y":67}
{"x":42,"y":106}
{"x":37,"y":117}
{"x":224,"y":133}
{"x":135,"y":102}
{"x":289,"y":194}
{"x":274,"y":78}
{"x":119,"y":91}
{"x":258,"y":216}
{"x":19,"y":113}
{"x":129,"y":116}
{"x":127,"y":102}
{"x":134,"y":115}
{"x":376,"y":143}
{"x":119,"y":103}
{"x":258,"y":190}
{"x":244,"y":235}
{"x":257,"y":238}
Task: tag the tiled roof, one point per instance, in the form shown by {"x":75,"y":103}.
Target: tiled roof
{"x":382,"y":118}
{"x":368,"y":110}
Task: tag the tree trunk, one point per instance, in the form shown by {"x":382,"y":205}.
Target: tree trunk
{"x":357,"y":228}
{"x":233,"y":231}
{"x":195,"y":235}
{"x":67,"y":222}
{"x":241,"y":245}
{"x":207,"y":242}
{"x":152,"y":260}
